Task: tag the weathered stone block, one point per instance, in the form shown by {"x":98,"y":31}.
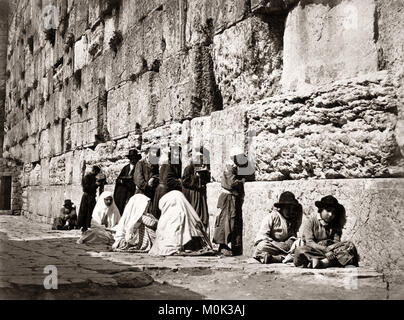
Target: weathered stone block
{"x":205,"y":18}
{"x":57,"y":171}
{"x":144,"y":98}
{"x":152,"y":39}
{"x":345,"y":130}
{"x":81,"y":53}
{"x":390,"y":41}
{"x":118,"y":112}
{"x":228,"y":130}
{"x":163,"y":136}
{"x":321,"y":42}
{"x":373,"y":208}
{"x":81,"y":16}
{"x":96,"y":42}
{"x":248,"y":60}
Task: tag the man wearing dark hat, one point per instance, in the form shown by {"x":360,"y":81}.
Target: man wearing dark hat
{"x":125,"y":185}
{"x":322,"y":238}
{"x":67,"y":219}
{"x":147,"y":174}
{"x":278,"y":230}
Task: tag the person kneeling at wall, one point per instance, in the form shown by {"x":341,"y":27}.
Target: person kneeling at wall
{"x":278,"y":230}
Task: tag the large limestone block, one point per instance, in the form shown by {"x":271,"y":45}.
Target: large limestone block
{"x":390,"y":25}
{"x":344,"y":130}
{"x":204,"y":18}
{"x":81,"y":53}
{"x":152,"y":39}
{"x":163,"y":136}
{"x":329,"y":40}
{"x":373,"y":209}
{"x":143,"y":95}
{"x":45,"y":149}
{"x":96,"y":42}
{"x":228,"y":130}
{"x":118,"y":112}
{"x":94,"y":13}
{"x":109,"y":30}
{"x":173,"y":25}
{"x":128,"y":63}
{"x":57,"y":171}
{"x":81,"y":9}
{"x":248,"y":60}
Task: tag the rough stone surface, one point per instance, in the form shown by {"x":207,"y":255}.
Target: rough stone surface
{"x":321,"y":42}
{"x":249,"y":69}
{"x":345,"y":130}
{"x":373,"y":207}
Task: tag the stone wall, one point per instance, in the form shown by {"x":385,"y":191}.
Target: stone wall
{"x":375,"y":218}
{"x":311,"y":90}
{"x":3,"y":63}
{"x":12,"y":169}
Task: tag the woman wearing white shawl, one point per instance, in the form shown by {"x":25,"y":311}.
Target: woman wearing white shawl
{"x":104,"y":219}
{"x":136,"y":230}
{"x":179,"y":227}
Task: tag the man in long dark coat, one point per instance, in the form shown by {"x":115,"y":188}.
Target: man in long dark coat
{"x":194,"y":180}
{"x":147,"y":175}
{"x":229,"y":224}
{"x":169,"y":178}
{"x":125,"y":187}
{"x":88,"y":200}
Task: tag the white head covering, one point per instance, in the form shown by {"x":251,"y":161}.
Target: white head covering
{"x":236,"y":151}
{"x":101,"y":211}
{"x":134,"y":210}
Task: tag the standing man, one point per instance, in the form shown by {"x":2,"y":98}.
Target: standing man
{"x":194,"y":180}
{"x":229,"y":224}
{"x":125,"y":185}
{"x":88,"y":201}
{"x":147,"y":175}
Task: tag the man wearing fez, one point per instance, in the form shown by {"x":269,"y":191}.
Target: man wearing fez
{"x":125,"y":185}
{"x":147,"y":175}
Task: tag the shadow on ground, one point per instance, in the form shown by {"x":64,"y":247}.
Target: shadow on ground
{"x":81,"y":275}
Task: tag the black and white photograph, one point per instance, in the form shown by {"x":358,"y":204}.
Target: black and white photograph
{"x":214,"y":152}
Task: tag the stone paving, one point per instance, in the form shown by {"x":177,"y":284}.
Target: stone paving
{"x":28,"y":247}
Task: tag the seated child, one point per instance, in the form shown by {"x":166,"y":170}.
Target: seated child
{"x":278,"y":230}
{"x":67,"y":219}
{"x":322,"y":233}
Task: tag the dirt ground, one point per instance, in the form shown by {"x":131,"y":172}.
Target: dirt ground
{"x":88,"y":272}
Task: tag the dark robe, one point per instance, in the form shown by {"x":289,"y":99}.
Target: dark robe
{"x":60,"y":222}
{"x":194,"y":189}
{"x":125,"y":187}
{"x":229,"y":223}
{"x":170,"y":179}
{"x":143,"y":173}
{"x":88,"y":201}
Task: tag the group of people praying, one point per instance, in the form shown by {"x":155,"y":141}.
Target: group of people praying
{"x":161,"y":209}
